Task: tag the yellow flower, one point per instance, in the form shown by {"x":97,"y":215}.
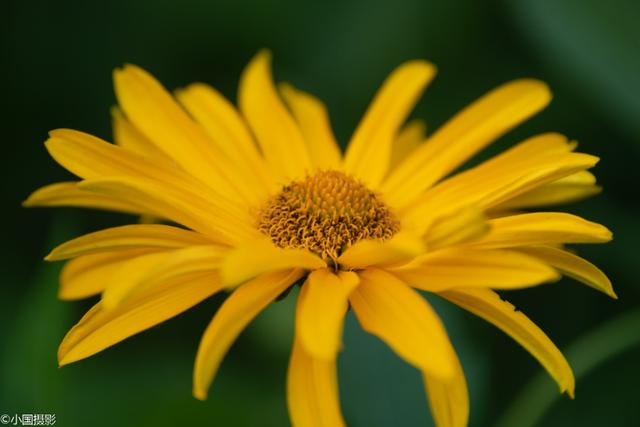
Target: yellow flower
{"x":261,"y":198}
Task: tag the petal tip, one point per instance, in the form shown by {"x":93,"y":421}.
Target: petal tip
{"x":63,"y":360}
{"x":29,"y":202}
{"x":117,"y":75}
{"x":265,"y":54}
{"x":553,"y":275}
{"x":608,"y":234}
{"x":261,"y":59}
{"x":60,"y":132}
{"x":426,"y":67}
{"x":536,"y":84}
{"x":128,"y":67}
{"x":199,"y":394}
{"x":571,"y":392}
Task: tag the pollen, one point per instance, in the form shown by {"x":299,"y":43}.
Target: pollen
{"x":326,"y":213}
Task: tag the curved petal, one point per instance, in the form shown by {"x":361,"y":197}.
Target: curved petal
{"x":69,"y":194}
{"x":146,"y":271}
{"x":158,"y":116}
{"x":88,"y":275}
{"x":313,"y":119}
{"x":226,"y":128}
{"x":368,"y":153}
{"x":401,"y":247}
{"x":464,"y":225}
{"x":322,"y":305}
{"x":91,"y":158}
{"x":541,"y":228}
{"x":406,"y":141}
{"x":128,"y":137}
{"x":398,"y":315}
{"x":572,"y":188}
{"x":312,"y":390}
{"x":277,"y":133}
{"x":448,"y":400}
{"x":464,"y":268}
{"x":261,"y":256}
{"x":530,"y":164}
{"x":240,"y":308}
{"x":137,"y":236}
{"x":100,"y":328}
{"x":489,"y":306}
{"x":88,"y":156}
{"x":186,"y":209}
{"x":465,"y":134}
{"x":573,"y":266}
{"x":127,"y":276}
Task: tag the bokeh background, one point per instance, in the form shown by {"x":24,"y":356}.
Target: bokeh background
{"x":57,"y":59}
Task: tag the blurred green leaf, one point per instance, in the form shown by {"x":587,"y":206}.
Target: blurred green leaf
{"x":593,"y":46}
{"x":29,"y":379}
{"x":585,"y":355}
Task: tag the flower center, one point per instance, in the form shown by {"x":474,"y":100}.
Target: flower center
{"x":326,"y":213}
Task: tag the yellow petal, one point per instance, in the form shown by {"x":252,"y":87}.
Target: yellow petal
{"x":322,"y":304}
{"x":313,"y":119}
{"x":565,"y":190}
{"x":90,"y":157}
{"x":448,"y":400}
{"x":220,"y":119}
{"x":407,"y":140}
{"x":402,"y":246}
{"x":489,"y":306}
{"x":312,"y":390}
{"x":581,"y":178}
{"x":88,"y":275}
{"x":128,"y":275}
{"x":240,"y":308}
{"x":465,"y":134}
{"x":139,"y":274}
{"x":156,"y":114}
{"x":183,"y":208}
{"x":573,"y":266}
{"x":368,"y":154}
{"x":541,"y":228}
{"x":226,"y":128}
{"x":100,"y":328}
{"x":261,"y":256}
{"x":128,"y":137}
{"x":277,"y":133}
{"x":530,"y":164}
{"x":466,"y":224}
{"x":465,"y":268}
{"x":399,"y":316}
{"x":68,"y":194}
{"x":128,"y":237}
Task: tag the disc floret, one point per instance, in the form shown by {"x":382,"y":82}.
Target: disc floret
{"x":326,"y":213}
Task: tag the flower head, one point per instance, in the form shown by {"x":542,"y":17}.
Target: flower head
{"x":254,"y":200}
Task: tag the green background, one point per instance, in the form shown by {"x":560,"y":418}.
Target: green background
{"x":57,"y":58}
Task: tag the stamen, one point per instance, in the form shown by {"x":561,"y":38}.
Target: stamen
{"x":326,"y":213}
